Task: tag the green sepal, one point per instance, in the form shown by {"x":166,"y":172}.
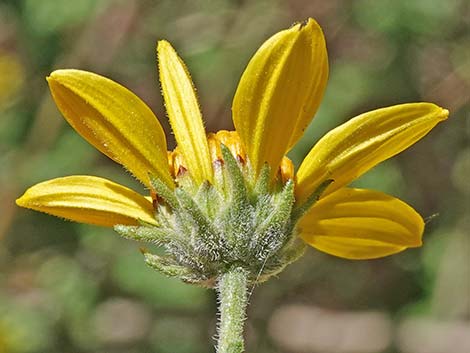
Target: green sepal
{"x":208,"y":238}
{"x":220,"y":178}
{"x":274,"y":230}
{"x":295,"y":249}
{"x":148,"y":234}
{"x":285,"y":201}
{"x":238,"y":190}
{"x":208,"y":199}
{"x":164,"y":192}
{"x":237,"y":215}
{"x":142,"y":223}
{"x":165,"y":265}
{"x":263,"y":181}
{"x":300,"y":210}
{"x":192,"y":208}
{"x":186,"y":182}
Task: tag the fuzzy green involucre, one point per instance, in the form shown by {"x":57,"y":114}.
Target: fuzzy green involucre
{"x":208,"y":230}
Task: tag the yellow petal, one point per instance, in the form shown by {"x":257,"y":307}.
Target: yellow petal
{"x":184,"y":113}
{"x":353,"y":148}
{"x":88,"y":199}
{"x":361,"y":224}
{"x":114,"y":120}
{"x":279,"y":93}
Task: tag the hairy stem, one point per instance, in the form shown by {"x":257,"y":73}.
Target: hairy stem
{"x":232,"y":295}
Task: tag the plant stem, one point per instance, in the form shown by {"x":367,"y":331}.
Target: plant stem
{"x":232,"y":294}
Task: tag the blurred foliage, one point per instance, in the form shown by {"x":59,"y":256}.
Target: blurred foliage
{"x":72,"y":288}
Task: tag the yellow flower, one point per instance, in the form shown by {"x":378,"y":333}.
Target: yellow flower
{"x":277,"y":97}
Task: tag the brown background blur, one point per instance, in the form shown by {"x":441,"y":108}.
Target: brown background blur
{"x":67,"y":287}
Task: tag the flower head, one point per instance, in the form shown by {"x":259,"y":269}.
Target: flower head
{"x":232,"y":197}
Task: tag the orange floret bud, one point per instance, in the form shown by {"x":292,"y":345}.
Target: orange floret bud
{"x":286,"y":169}
{"x":177,"y":163}
{"x":230,"y":139}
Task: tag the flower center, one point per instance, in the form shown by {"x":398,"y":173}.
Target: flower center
{"x":231,"y":140}
{"x":240,"y":219}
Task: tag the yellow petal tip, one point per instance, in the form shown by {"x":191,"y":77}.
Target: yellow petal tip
{"x":163,"y":45}
{"x":309,"y":26}
{"x":443,"y":114}
{"x":309,"y":23}
{"x":54,"y":74}
{"x":55,"y":77}
{"x":63,"y":74}
{"x":163,"y":42}
{"x":20,"y":201}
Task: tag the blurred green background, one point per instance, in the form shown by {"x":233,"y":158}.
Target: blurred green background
{"x":67,"y":287}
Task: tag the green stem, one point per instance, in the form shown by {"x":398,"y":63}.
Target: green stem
{"x":232,"y":289}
